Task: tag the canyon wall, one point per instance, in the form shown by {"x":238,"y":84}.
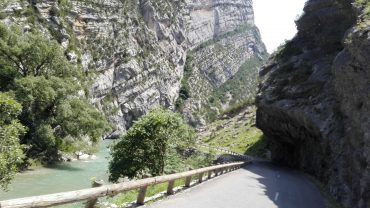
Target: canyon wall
{"x":134,"y":52}
{"x":225,"y":50}
{"x":314,"y":100}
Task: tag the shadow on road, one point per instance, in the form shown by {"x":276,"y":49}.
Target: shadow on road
{"x":285,"y":187}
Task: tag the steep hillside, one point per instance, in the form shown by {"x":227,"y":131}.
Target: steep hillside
{"x":225,"y":52}
{"x":314,"y":102}
{"x":134,"y":52}
{"x":236,"y":132}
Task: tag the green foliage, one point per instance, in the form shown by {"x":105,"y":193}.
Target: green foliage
{"x":30,"y":54}
{"x":48,"y":87}
{"x":149,"y":144}
{"x":184,"y":93}
{"x":55,"y":119}
{"x":11,"y":152}
{"x":237,"y":133}
{"x":78,"y":123}
{"x":241,"y":88}
{"x":364,"y":20}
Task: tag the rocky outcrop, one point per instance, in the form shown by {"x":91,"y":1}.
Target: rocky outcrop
{"x":134,"y":52}
{"x":314,"y":101}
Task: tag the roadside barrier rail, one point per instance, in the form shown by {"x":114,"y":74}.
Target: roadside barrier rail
{"x":92,"y":194}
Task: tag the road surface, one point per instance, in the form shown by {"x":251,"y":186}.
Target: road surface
{"x":258,"y":185}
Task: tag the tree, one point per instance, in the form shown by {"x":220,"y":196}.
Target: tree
{"x":149,"y":143}
{"x":49,"y":89}
{"x":11,"y":153}
{"x":31,"y":54}
{"x":56,"y":116}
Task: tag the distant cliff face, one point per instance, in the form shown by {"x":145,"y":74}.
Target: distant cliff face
{"x":134,"y":51}
{"x":314,"y":100}
{"x":225,"y":50}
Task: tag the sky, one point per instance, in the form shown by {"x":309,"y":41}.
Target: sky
{"x":275,"y":19}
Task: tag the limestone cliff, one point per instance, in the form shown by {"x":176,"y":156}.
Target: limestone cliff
{"x":134,"y":52}
{"x":225,"y":52}
{"x":314,"y":101}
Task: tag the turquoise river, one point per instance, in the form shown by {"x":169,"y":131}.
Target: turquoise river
{"x":63,"y":177}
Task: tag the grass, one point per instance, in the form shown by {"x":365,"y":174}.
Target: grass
{"x":241,"y":140}
{"x":131,"y":196}
{"x":237,"y":134}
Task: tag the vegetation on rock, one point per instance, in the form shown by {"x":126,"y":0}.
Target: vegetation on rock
{"x":236,"y":131}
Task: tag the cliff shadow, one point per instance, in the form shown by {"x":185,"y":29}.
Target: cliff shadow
{"x":285,"y":187}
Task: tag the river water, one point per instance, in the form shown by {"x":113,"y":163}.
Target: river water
{"x":67,"y":176}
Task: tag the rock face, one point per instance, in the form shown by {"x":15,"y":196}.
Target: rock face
{"x":314,"y":100}
{"x":222,"y":38}
{"x":134,"y":51}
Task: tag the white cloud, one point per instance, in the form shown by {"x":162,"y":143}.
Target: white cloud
{"x":275,"y":19}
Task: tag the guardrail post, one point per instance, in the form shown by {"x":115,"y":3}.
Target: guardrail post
{"x":217,"y":172}
{"x":141,"y":196}
{"x":200,"y":179}
{"x":187,"y":181}
{"x":209,"y":174}
{"x":92,"y":202}
{"x":142,"y":193}
{"x":170,"y":187}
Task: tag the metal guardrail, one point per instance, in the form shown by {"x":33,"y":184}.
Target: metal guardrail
{"x":92,"y":194}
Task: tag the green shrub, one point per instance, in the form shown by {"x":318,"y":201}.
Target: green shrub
{"x":150,"y":144}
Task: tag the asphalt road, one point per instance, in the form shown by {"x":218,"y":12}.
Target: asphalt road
{"x":259,"y":185}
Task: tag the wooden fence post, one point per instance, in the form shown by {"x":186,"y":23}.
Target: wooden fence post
{"x":187,"y":181}
{"x":209,"y":174}
{"x":141,"y":197}
{"x":91,"y":203}
{"x":170,"y":187}
{"x":142,"y":192}
{"x":200,"y":179}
